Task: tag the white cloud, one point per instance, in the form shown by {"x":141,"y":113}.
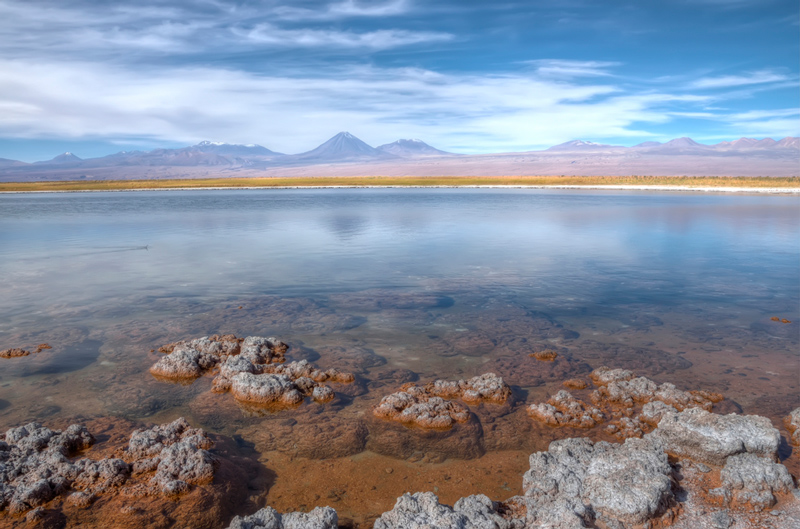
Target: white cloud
{"x":731,"y":81}
{"x":348,"y":8}
{"x":268,"y":34}
{"x":565,"y":68}
{"x":293,"y":114}
{"x":753,"y":115}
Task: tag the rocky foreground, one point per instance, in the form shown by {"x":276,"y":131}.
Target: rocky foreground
{"x":696,"y":469}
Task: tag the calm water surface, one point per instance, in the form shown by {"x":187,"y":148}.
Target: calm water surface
{"x":394,"y":285}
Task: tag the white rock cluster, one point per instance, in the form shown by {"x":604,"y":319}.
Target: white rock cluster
{"x":36,"y":464}
{"x":429,"y":406}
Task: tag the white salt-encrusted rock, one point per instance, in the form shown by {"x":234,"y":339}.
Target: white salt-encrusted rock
{"x":653,"y":411}
{"x":265,"y":389}
{"x":269,"y":518}
{"x":182,"y":362}
{"x":711,"y":438}
{"x":415,"y":405}
{"x":483,"y":388}
{"x":629,"y":484}
{"x":35,"y":465}
{"x":192,"y":358}
{"x":603,"y":375}
{"x":752,"y":481}
{"x":577,"y":482}
{"x":423,"y":511}
{"x":176,"y":451}
{"x":562,"y":409}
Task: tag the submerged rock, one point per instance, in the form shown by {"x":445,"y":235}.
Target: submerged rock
{"x":269,"y":518}
{"x":711,"y":438}
{"x":17,"y":352}
{"x":544,"y":356}
{"x":425,"y":406}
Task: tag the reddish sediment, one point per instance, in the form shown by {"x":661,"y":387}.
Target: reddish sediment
{"x":17,"y":352}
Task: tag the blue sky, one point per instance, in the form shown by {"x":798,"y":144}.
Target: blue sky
{"x":97,"y":77}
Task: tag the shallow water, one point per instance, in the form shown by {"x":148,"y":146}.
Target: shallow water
{"x":394,"y":285}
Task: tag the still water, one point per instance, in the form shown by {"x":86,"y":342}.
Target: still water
{"x":394,"y":285}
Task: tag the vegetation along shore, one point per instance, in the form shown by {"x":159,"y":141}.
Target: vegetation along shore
{"x":721,"y":183}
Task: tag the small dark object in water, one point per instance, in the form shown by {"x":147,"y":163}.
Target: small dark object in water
{"x":544,"y":356}
{"x":785,"y":321}
{"x":775,"y":318}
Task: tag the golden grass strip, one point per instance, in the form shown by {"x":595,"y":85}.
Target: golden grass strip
{"x":415,"y":181}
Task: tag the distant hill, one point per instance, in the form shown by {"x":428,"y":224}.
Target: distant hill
{"x":5,"y":162}
{"x":580,"y":145}
{"x":411,"y":149}
{"x":744,"y":156}
{"x":342,"y":147}
{"x":233,"y":149}
{"x":66,"y":158}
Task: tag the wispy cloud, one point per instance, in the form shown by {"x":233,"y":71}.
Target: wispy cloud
{"x":268,"y":34}
{"x":490,"y":112}
{"x":731,"y":81}
{"x":346,"y":9}
{"x":565,"y":68}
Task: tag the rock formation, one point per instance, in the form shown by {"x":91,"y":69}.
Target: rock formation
{"x":710,"y":438}
{"x":422,"y":510}
{"x":617,"y":399}
{"x":269,"y":518}
{"x":275,"y":384}
{"x":17,"y":352}
{"x":37,"y":464}
{"x":250,"y":368}
{"x":577,"y":483}
{"x":562,"y":409}
{"x":751,"y":482}
{"x":427,"y":407}
{"x":193,"y":358}
{"x":544,"y":356}
{"x":792,"y":423}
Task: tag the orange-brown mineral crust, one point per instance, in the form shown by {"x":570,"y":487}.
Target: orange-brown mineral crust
{"x":544,"y":356}
{"x":575,"y":383}
{"x":17,"y":352}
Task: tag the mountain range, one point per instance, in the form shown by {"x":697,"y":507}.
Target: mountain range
{"x":349,"y":153}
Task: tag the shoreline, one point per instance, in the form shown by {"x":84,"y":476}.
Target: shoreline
{"x":599,"y":187}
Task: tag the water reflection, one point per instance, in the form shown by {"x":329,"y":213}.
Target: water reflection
{"x":395,"y":286}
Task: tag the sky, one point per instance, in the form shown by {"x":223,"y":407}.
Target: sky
{"x":98,"y":77}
